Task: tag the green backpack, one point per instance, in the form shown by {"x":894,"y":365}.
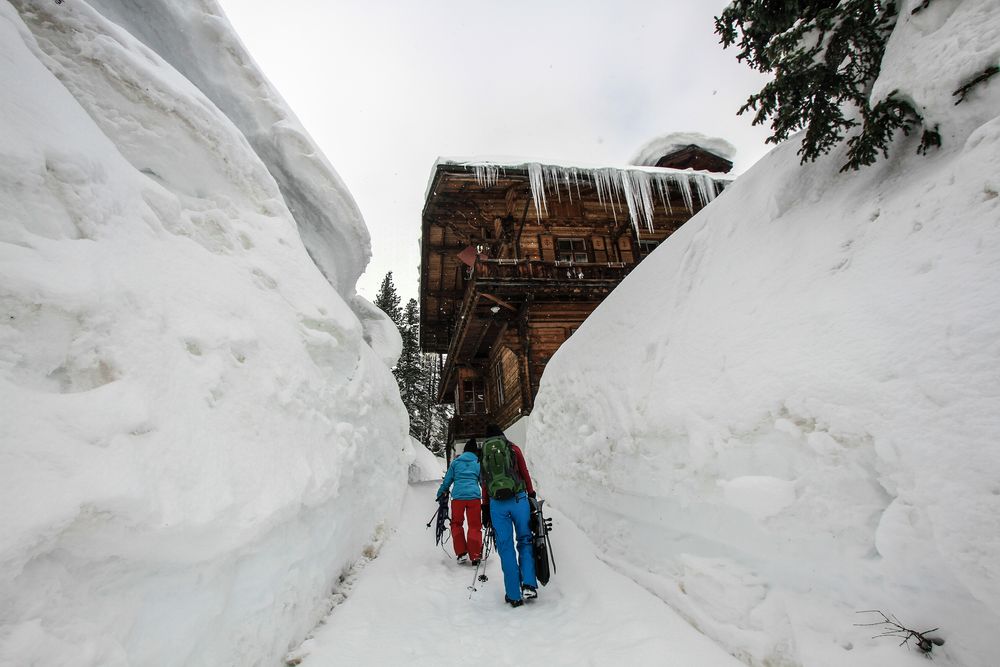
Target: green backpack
{"x":499,"y":470}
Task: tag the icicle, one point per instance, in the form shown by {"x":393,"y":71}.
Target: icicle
{"x":705,"y":194}
{"x":645,"y":198}
{"x":638,"y":197}
{"x":604,"y":180}
{"x":487,"y":175}
{"x":616,"y":190}
{"x":552,"y":179}
{"x":630,"y":197}
{"x":663,"y":186}
{"x":536,"y":178}
{"x":684,"y":185}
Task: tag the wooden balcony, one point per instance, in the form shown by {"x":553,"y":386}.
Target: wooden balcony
{"x":540,"y":273}
{"x":497,"y":291}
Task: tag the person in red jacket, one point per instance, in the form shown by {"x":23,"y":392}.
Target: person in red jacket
{"x":506,"y":489}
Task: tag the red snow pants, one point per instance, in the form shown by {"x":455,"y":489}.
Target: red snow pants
{"x":473,"y":509}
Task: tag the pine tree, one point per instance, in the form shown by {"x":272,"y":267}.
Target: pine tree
{"x":387,"y":300}
{"x":434,"y":435}
{"x":825,"y":55}
{"x":409,"y":369}
{"x":417,"y":374}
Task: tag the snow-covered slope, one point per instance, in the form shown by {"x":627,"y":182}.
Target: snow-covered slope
{"x":790,"y":411}
{"x":194,"y":435}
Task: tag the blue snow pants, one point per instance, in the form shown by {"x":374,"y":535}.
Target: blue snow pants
{"x":510,"y":517}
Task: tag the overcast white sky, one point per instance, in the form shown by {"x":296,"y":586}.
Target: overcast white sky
{"x":387,"y":86}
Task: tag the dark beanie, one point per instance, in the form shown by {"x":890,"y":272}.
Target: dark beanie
{"x":493,"y":429}
{"x":471,"y":446}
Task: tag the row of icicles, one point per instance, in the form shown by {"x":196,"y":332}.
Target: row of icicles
{"x":635,"y":186}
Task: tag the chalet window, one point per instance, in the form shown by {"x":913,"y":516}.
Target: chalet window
{"x":473,"y":399}
{"x":572,"y":250}
{"x":646,"y":247}
{"x":499,"y":375}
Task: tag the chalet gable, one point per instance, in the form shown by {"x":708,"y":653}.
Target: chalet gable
{"x":695,"y":157}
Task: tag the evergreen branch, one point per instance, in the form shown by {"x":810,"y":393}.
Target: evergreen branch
{"x":985,"y":75}
{"x":825,"y":56}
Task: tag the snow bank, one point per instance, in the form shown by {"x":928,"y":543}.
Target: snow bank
{"x":652,"y":151}
{"x":195,"y":37}
{"x":805,"y":424}
{"x":194,"y":435}
{"x":425,"y":467}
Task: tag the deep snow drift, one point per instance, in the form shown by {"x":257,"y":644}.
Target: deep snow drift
{"x":197,"y":40}
{"x":805,"y":424}
{"x":195,"y":436}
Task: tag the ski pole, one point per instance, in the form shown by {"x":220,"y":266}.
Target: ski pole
{"x":433,"y":516}
{"x":487,"y":541}
{"x":475,"y":576}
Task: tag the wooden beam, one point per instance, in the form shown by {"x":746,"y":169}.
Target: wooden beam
{"x":499,"y":302}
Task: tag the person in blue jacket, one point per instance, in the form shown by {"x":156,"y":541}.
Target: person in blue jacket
{"x":466,"y":503}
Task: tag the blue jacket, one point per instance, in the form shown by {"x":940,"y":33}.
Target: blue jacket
{"x":464,"y":473}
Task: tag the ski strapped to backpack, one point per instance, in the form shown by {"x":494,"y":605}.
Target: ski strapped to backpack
{"x":499,"y":469}
{"x":540,"y":543}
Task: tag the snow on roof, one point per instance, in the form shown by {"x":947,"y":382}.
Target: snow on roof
{"x":668,"y":143}
{"x":635,"y":185}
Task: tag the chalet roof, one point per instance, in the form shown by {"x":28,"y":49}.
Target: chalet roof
{"x":653,"y":152}
{"x":636,"y":189}
{"x":694,"y":157}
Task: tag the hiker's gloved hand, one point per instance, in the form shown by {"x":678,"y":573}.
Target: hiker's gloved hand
{"x":442,"y":498}
{"x":531,"y":494}
{"x":487,"y":521}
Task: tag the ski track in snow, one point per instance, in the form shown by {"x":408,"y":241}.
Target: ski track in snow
{"x":412,"y":606}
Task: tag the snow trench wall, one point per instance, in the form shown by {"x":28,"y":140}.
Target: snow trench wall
{"x":788,"y":412}
{"x":195,"y":37}
{"x":195,"y":437}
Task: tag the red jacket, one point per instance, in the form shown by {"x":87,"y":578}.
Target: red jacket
{"x":522,"y":469}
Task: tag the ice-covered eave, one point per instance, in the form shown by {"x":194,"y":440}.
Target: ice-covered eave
{"x":635,"y":189}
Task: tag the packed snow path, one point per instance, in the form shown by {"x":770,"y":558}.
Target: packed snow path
{"x":412,"y":606}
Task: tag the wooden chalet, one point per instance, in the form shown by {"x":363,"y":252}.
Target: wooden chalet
{"x":515,"y":257}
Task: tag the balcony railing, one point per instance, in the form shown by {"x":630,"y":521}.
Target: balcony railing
{"x":463,"y":427}
{"x":522,"y":276}
{"x":536,"y":269}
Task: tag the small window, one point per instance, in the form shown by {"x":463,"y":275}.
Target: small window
{"x":473,"y":399}
{"x":499,"y":375}
{"x":572,"y":250}
{"x":646,"y":247}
